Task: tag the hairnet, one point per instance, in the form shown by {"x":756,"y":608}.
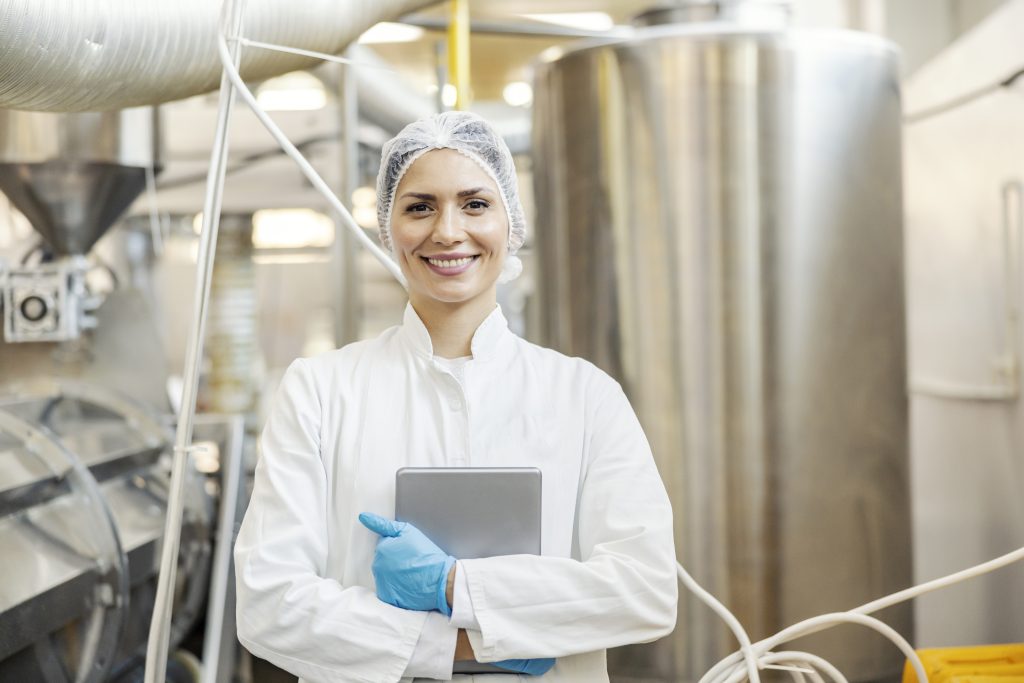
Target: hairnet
{"x":470,"y":135}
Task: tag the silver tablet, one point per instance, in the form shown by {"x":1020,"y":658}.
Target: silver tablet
{"x":473,"y":512}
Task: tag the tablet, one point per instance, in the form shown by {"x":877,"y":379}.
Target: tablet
{"x":473,"y":512}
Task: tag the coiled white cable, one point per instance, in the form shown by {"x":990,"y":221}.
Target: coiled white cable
{"x":746,"y":649}
{"x":736,"y":667}
{"x":754,"y":657}
{"x":794,"y":659}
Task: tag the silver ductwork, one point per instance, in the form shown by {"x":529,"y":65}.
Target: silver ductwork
{"x":97,"y":55}
{"x":385,"y":97}
{"x":390,"y":101}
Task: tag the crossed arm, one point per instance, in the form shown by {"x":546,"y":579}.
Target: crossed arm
{"x":463,"y":649}
{"x":623,"y":590}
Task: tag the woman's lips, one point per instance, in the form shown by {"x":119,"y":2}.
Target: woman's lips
{"x":450,"y":266}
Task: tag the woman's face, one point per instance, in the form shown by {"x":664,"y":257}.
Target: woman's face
{"x":449,"y":228}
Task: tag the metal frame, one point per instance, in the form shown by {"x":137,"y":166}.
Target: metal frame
{"x":220,"y":643}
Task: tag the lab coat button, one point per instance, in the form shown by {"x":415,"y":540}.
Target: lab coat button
{"x":456,"y":404}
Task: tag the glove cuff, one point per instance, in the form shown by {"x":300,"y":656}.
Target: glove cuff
{"x":442,"y":588}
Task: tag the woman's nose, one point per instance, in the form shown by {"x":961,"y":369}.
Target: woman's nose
{"x":448,"y":228}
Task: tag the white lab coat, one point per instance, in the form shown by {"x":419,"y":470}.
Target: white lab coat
{"x":344,"y":422}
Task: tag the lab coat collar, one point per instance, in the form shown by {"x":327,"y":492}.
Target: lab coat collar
{"x":485,"y":340}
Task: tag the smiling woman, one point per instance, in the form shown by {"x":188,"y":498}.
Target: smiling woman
{"x":329,"y":587}
{"x":449,"y":231}
{"x":451,"y":133}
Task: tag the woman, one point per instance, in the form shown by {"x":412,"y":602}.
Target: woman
{"x":451,"y":386}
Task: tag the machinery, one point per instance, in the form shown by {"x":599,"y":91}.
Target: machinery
{"x":84,"y":450}
{"x":83,"y":493}
{"x":72,"y":176}
{"x":720,"y":228}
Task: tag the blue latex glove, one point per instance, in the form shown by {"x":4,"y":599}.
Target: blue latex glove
{"x":530,"y":667}
{"x":410,"y":570}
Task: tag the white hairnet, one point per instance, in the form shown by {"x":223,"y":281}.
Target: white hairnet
{"x":470,"y":135}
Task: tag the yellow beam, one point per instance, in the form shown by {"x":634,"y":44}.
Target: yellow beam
{"x":458,"y":52}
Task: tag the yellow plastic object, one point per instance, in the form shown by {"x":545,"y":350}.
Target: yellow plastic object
{"x":980,"y":664}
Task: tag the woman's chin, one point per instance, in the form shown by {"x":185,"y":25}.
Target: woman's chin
{"x":453,"y":292}
{"x":456,"y":297}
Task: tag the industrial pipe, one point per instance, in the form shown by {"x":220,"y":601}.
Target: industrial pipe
{"x":95,"y":55}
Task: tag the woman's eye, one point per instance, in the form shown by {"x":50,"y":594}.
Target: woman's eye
{"x":417,"y":208}
{"x":477,"y":205}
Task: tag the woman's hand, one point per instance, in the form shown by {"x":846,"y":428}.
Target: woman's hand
{"x":411,"y":572}
{"x":530,"y":667}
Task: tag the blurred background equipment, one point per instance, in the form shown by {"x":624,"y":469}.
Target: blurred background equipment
{"x":83,"y":484}
{"x":85,"y":503}
{"x":963,"y":173}
{"x":72,"y":176}
{"x":719,"y":193}
{"x":732,"y":252}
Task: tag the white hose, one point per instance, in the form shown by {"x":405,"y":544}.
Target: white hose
{"x":749,"y":656}
{"x":936,"y":584}
{"x":736,"y":667}
{"x":737,"y":673}
{"x":817,"y":663}
{"x":160,"y":625}
{"x":307,"y":169}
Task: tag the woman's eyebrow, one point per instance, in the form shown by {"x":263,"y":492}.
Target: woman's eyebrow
{"x":474,"y":190}
{"x":462,"y":193}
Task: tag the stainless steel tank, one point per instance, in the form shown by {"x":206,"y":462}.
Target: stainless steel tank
{"x":719,"y":227}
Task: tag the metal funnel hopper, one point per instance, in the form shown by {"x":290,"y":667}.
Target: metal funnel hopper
{"x":71,"y":204}
{"x":73,"y":175}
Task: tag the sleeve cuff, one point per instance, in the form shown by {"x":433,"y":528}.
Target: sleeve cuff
{"x":434,"y":654}
{"x":463,"y":615}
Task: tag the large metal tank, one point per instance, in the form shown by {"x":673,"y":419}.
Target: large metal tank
{"x":719,"y":227}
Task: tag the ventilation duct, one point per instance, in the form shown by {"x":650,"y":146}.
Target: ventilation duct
{"x":98,"y":55}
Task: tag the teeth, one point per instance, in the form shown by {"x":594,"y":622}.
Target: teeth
{"x":454,"y":263}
